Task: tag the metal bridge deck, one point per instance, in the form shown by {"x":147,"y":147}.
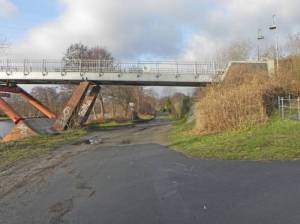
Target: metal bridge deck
{"x":170,"y":73}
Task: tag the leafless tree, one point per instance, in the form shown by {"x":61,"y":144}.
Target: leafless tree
{"x":116,"y":98}
{"x":236,"y":51}
{"x":76,"y":51}
{"x":52,"y":97}
{"x":293,"y":44}
{"x":79,"y":51}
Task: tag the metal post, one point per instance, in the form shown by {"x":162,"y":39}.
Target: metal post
{"x":80,"y":66}
{"x":275,"y":28}
{"x":259,"y":37}
{"x":277,"y":50}
{"x":24,"y":66}
{"x":44,"y":67}
{"x":278,"y":100}
{"x":6,"y":66}
{"x":298,"y":108}
{"x":282,"y":107}
{"x":214,"y":68}
{"x":30,"y":66}
{"x":290,"y":105}
{"x":97,"y":67}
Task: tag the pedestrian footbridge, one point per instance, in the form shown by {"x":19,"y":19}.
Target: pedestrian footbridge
{"x":89,"y":75}
{"x":159,"y":73}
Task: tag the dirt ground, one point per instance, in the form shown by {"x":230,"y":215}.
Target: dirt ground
{"x":26,"y":171}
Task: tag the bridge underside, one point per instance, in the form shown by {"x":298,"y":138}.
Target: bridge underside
{"x":186,"y":80}
{"x":111,"y":83}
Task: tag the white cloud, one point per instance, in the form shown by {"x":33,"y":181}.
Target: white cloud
{"x":202,"y":47}
{"x":239,"y":20}
{"x":191,"y":29}
{"x":7,"y":8}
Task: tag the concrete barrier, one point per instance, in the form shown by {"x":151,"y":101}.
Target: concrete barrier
{"x":249,"y":67}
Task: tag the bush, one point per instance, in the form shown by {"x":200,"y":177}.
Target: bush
{"x":241,"y":100}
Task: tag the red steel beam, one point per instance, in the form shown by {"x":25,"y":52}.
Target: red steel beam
{"x":34,"y":102}
{"x":5,"y":107}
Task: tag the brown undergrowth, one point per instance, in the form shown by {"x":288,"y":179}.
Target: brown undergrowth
{"x":241,"y":100}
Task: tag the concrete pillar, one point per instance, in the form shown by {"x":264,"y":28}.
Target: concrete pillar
{"x":68,"y":115}
{"x":19,"y":132}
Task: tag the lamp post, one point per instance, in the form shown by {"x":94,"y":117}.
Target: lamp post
{"x":259,"y":37}
{"x":273,"y":27}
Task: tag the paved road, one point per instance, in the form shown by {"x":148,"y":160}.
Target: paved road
{"x":148,"y":183}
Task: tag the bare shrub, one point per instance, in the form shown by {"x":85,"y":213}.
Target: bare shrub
{"x":241,"y":100}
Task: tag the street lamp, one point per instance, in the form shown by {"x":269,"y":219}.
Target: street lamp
{"x":259,"y":37}
{"x":273,"y":27}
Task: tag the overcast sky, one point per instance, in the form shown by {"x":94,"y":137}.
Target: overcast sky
{"x":140,"y":29}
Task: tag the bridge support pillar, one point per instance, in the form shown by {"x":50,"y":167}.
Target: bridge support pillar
{"x":21,"y":130}
{"x":87,"y":106}
{"x":67,"y":118}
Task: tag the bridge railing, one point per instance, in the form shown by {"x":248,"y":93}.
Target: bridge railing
{"x":104,"y":66}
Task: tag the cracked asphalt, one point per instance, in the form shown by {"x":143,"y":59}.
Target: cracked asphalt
{"x":143,"y":181}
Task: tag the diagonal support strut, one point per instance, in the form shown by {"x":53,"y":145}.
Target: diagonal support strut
{"x":30,"y":99}
{"x":69,"y":113}
{"x":87,"y":106}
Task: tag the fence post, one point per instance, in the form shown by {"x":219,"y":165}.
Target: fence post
{"x":290,"y":105}
{"x":157,"y":69}
{"x":282,"y":107}
{"x":195,"y":69}
{"x":80,"y":61}
{"x":279,"y":106}
{"x":214,"y":68}
{"x":298,"y":108}
{"x":7,"y":63}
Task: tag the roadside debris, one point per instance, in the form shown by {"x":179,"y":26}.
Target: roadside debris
{"x":91,"y":141}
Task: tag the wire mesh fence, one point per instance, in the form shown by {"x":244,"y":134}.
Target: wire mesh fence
{"x":289,"y":107}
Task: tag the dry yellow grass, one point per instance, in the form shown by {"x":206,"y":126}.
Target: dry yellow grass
{"x":241,"y":100}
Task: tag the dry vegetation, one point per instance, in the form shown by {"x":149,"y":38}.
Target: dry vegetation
{"x":234,"y":119}
{"x":242,"y":100}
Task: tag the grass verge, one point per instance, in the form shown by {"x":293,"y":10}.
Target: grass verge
{"x":33,"y":147}
{"x":274,"y":140}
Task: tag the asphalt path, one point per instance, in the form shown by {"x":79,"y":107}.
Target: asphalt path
{"x":128,"y":183}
